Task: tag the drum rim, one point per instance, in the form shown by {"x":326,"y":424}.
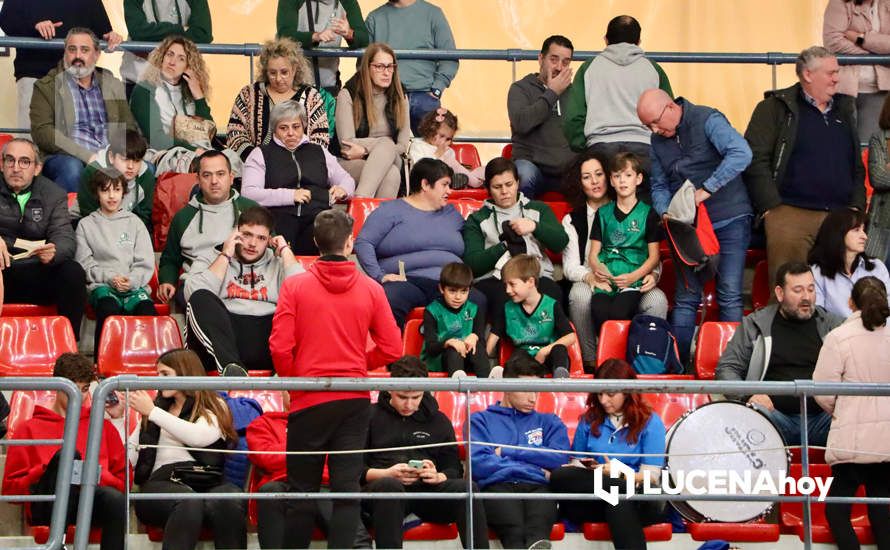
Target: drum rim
{"x":682,"y":506}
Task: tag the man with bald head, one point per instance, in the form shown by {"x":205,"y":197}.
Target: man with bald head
{"x":697,"y":144}
{"x":806,"y":157}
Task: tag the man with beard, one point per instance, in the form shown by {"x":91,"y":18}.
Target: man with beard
{"x":231,"y":303}
{"x":781,"y":342}
{"x":77,"y":109}
{"x":535,"y":105}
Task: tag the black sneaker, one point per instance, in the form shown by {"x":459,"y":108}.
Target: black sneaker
{"x":234,"y":369}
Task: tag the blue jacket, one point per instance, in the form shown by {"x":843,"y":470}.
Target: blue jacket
{"x":506,"y":425}
{"x":610,"y":442}
{"x":711,"y":154}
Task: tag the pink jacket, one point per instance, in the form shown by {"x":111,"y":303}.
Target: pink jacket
{"x":860,"y":425}
{"x":841,"y":16}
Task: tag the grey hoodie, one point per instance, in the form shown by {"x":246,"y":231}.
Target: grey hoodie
{"x":248,"y":289}
{"x":108,"y":246}
{"x":613,"y":83}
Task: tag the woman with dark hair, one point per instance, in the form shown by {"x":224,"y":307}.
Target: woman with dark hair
{"x":405,"y":242}
{"x":879,"y":177}
{"x":858,"y":447}
{"x":509,"y":224}
{"x":586,"y":186}
{"x":838,"y":259}
{"x":373,"y":124}
{"x":195,"y":419}
{"x":614,"y":424}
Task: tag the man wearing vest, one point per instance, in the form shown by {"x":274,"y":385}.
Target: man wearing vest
{"x":231,"y":302}
{"x":697,"y":144}
{"x":806,"y":158}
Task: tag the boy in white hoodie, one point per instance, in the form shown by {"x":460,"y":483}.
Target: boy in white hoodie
{"x":114,"y":248}
{"x":231,"y":302}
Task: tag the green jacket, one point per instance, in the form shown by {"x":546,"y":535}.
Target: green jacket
{"x":772,"y":133}
{"x":287,"y":20}
{"x":52,"y":113}
{"x":148,"y":116}
{"x":200,"y":26}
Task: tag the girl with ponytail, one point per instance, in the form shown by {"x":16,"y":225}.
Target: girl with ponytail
{"x":858,"y":446}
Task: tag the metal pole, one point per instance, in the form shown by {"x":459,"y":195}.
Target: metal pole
{"x":470,"y":517}
{"x":251,"y":67}
{"x":127,"y":472}
{"x":774,"y":69}
{"x":805,"y":466}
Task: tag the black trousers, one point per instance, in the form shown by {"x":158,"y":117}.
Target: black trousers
{"x":620,"y":307}
{"x":182,"y":520}
{"x":63,"y":284}
{"x":474,"y":363}
{"x":387,"y":515}
{"x":106,"y":307}
{"x":496,"y":294}
{"x":559,"y":357}
{"x":626,"y":520}
{"x":109,"y":514}
{"x":298,"y":231}
{"x":333,"y":426}
{"x":220,"y":337}
{"x":847,"y":479}
{"x":520,"y":523}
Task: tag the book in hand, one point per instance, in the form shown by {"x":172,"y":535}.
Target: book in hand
{"x":23,"y":248}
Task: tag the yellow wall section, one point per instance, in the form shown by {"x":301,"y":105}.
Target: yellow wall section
{"x":478,"y":94}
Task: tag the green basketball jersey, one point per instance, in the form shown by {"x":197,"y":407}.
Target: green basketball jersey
{"x":450,"y":324}
{"x":624,"y":247}
{"x":531,"y":332}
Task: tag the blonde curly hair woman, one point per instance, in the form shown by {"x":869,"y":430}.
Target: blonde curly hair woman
{"x":283,"y":73}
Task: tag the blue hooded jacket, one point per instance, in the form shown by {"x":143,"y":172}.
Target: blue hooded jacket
{"x":506,"y":425}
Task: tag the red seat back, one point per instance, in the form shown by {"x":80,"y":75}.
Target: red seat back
{"x":761,"y":287}
{"x":160,"y":307}
{"x":5,"y":138}
{"x":29,"y":310}
{"x":612,"y":342}
{"x":467,"y":154}
{"x":570,"y":406}
{"x":507,"y":151}
{"x":132,"y":344}
{"x":712,"y":340}
{"x":466,"y":206}
{"x":412,"y":340}
{"x":29,"y":346}
{"x":868,"y":188}
{"x":172,"y":191}
{"x":475,"y":193}
{"x":360,"y":208}
{"x":72,"y":200}
{"x":306,"y":261}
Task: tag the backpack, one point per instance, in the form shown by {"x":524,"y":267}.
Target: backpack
{"x":651,"y":347}
{"x":244,"y":411}
{"x":695,"y":245}
{"x":172,"y":193}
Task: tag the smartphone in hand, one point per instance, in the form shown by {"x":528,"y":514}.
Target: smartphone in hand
{"x":589,"y":462}
{"x":416,"y":464}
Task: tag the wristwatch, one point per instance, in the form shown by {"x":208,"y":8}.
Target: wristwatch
{"x":860,"y":40}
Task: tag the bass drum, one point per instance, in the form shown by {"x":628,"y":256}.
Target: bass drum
{"x":728,"y":437}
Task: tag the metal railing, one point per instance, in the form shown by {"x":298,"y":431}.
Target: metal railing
{"x":58,"y":519}
{"x":803,"y":389}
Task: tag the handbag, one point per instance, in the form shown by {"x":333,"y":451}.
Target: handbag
{"x":193,"y":130}
{"x":198,"y":477}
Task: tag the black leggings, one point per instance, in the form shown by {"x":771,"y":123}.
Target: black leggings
{"x":475,"y":363}
{"x":626,"y":520}
{"x":297,"y":231}
{"x":847,"y":479}
{"x":619,"y":307}
{"x":558,"y":357}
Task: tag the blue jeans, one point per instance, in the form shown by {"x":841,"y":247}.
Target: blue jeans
{"x":733,"y":239}
{"x":533,"y":182}
{"x":65,"y":170}
{"x":788,"y":425}
{"x":420,"y":103}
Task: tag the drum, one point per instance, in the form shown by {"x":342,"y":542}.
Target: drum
{"x":727,"y":437}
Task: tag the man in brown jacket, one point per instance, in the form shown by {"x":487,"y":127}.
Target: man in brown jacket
{"x":76,"y":110}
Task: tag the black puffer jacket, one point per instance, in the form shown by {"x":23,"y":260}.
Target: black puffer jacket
{"x":45,"y":217}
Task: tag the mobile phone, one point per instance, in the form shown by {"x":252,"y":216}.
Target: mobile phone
{"x":417,"y":464}
{"x":112,"y":399}
{"x":589,"y":462}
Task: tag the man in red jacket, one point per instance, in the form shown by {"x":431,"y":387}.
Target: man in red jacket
{"x":320,"y":329}
{"x":32,"y":469}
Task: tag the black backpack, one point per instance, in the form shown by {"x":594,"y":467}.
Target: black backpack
{"x":652,"y":347}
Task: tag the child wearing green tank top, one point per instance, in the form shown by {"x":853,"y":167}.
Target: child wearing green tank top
{"x":453,"y":327}
{"x":533,"y":322}
{"x":624,"y":246}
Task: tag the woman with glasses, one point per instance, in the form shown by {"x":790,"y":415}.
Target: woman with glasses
{"x":372,"y":123}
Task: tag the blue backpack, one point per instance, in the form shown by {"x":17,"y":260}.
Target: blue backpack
{"x":651,"y":347}
{"x":244,"y":411}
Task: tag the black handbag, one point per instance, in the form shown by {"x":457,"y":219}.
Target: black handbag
{"x":198,"y":477}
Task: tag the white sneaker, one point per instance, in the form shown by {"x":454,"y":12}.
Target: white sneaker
{"x":560,"y":372}
{"x":541,"y":545}
{"x":496,"y":372}
{"x":459,"y":374}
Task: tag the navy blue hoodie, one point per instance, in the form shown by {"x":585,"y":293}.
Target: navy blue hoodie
{"x":507,"y":426}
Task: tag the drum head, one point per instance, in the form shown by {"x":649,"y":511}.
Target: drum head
{"x":728,"y":437}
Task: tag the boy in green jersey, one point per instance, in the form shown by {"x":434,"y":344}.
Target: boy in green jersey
{"x":535,"y":323}
{"x":453,"y":326}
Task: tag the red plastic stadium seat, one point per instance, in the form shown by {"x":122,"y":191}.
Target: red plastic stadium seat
{"x":132,"y":344}
{"x":507,"y":151}
{"x":734,"y":532}
{"x":360,"y":208}
{"x":467,"y":154}
{"x":612,"y":342}
{"x":671,"y":406}
{"x":412,"y":340}
{"x":760,"y":287}
{"x":654,"y":533}
{"x":29,"y":310}
{"x":172,"y":192}
{"x":41,"y":534}
{"x":29,"y":346}
{"x":432,"y":531}
{"x":454,"y":406}
{"x":306,"y":261}
{"x":160,"y":307}
{"x":791,"y":513}
{"x":570,"y":406}
{"x":21,"y":407}
{"x":416,"y":313}
{"x":5,"y":138}
{"x":466,"y":206}
{"x":712,"y":340}
{"x":474,"y":193}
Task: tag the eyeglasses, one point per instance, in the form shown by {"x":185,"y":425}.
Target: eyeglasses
{"x":658,"y":120}
{"x":24,"y":162}
{"x":383,"y":67}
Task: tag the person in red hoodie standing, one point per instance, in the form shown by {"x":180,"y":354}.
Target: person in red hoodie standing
{"x":320,"y":329}
{"x":32,"y":469}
